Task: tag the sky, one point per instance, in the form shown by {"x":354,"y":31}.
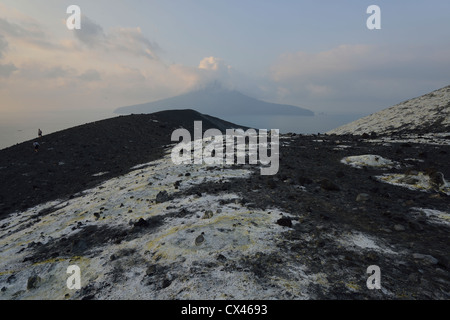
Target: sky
{"x":319,"y":55}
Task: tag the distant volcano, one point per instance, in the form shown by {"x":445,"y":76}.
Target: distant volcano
{"x":218,"y":102}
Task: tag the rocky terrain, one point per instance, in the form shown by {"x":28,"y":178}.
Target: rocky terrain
{"x":107,"y":198}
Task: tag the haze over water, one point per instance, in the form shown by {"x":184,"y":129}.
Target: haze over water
{"x":19,"y":127}
{"x":16,"y":128}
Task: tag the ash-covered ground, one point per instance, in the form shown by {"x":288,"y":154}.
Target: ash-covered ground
{"x":338,"y":205}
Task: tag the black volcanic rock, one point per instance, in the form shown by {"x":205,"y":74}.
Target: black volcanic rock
{"x":68,"y":160}
{"x":322,"y":242}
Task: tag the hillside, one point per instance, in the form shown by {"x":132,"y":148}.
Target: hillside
{"x":107,"y":198}
{"x":429,"y":113}
{"x":69,"y":159}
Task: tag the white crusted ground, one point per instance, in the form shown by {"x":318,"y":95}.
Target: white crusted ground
{"x":435,"y":216}
{"x":369,"y":160}
{"x":412,"y":114}
{"x":229,"y":229}
{"x":418,"y":181}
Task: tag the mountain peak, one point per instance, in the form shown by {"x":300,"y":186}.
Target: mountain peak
{"x":219,"y":101}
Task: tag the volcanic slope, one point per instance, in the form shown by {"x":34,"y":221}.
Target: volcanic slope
{"x":220,"y":102}
{"x":72,"y":160}
{"x":429,"y":113}
{"x":338,"y":205}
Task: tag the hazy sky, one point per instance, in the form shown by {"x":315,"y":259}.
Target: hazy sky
{"x":315,"y":54}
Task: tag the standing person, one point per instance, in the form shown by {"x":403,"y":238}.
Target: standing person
{"x":39,"y":133}
{"x":36,"y":146}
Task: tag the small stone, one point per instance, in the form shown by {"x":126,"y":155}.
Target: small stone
{"x":33,"y":282}
{"x":399,"y":227}
{"x":221,"y":258}
{"x":426,"y":257}
{"x":362,"y":197}
{"x":141,"y":223}
{"x":208,"y":214}
{"x":150,"y":270}
{"x":329,"y":185}
{"x":437,"y":180}
{"x":200,"y":239}
{"x":162,"y":196}
{"x":166,"y":282}
{"x":285,"y":222}
{"x":414,"y":278}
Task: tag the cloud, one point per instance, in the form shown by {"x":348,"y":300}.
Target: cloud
{"x":132,"y":40}
{"x":3,"y":45}
{"x":213,"y":64}
{"x":342,"y":59}
{"x":28,"y":31}
{"x":58,"y":72}
{"x":358,"y":78}
{"x":215,"y":70}
{"x":16,"y":30}
{"x":7,"y":69}
{"x":125,"y":40}
{"x":90,"y":75}
{"x":90,"y":34}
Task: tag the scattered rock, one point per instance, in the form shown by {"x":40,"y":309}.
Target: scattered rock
{"x":272,"y":184}
{"x":425,"y":257}
{"x":151,"y":270}
{"x":162,"y":196}
{"x":340,"y":174}
{"x":329,"y":185}
{"x":304,"y":180}
{"x":141,"y":223}
{"x":437,"y":180}
{"x":200,"y":239}
{"x":399,"y":227}
{"x":221,"y":258}
{"x":414,"y":278}
{"x":285,"y":222}
{"x":362,"y":197}
{"x":166,"y":282}
{"x":208,"y":214}
{"x":33,"y":282}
